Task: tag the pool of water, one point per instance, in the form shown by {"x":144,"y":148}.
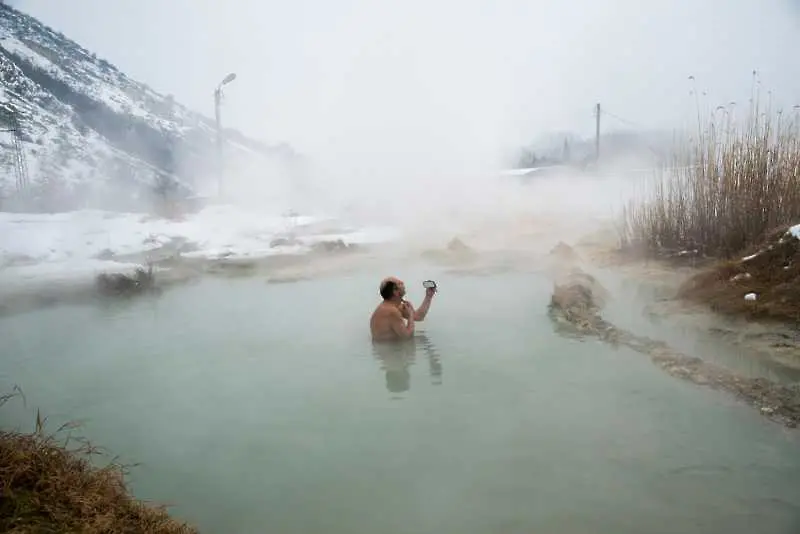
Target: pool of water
{"x":256,"y":407}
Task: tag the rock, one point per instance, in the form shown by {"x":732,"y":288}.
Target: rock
{"x":564,"y":251}
{"x":284,"y":242}
{"x":105,"y":254}
{"x":455,"y":250}
{"x":700,"y":379}
{"x":333,"y":246}
{"x":456,"y":245}
{"x":288,"y":279}
{"x":578,"y":298}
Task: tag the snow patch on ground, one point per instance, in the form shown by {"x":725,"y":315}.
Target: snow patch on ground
{"x":87,"y":241}
{"x":792,"y":232}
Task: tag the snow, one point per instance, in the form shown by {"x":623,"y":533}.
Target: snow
{"x":793,"y":231}
{"x":80,"y":242}
{"x":16,"y":46}
{"x":518,"y":172}
{"x":533,"y":170}
{"x":112,"y":96}
{"x":750,"y":296}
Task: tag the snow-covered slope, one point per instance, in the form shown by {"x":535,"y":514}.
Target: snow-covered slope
{"x":89,"y":133}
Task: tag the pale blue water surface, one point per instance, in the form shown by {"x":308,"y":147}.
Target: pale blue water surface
{"x":256,"y":407}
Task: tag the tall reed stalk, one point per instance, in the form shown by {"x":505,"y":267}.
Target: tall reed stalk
{"x":724,"y":191}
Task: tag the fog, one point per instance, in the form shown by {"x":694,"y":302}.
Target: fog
{"x":406,"y":111}
{"x":414,"y":105}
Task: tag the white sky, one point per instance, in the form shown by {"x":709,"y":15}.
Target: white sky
{"x":398,"y":77}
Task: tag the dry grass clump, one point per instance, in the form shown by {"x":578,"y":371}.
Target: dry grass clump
{"x":46,"y":486}
{"x":119,"y":284}
{"x":732,"y":186}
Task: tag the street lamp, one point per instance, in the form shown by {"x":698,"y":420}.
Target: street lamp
{"x":217,"y":101}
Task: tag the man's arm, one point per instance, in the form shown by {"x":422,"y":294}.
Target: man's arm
{"x":422,"y":311}
{"x":399,"y":326}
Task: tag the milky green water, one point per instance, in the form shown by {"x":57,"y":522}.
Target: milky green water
{"x":257,"y":407}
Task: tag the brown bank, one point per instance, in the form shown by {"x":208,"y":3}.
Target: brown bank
{"x":48,"y":484}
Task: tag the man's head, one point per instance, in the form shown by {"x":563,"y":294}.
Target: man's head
{"x":392,"y":289}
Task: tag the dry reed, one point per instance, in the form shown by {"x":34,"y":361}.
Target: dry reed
{"x":49,"y":485}
{"x":731,"y":187}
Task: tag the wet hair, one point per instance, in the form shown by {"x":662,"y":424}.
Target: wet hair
{"x":387,"y":289}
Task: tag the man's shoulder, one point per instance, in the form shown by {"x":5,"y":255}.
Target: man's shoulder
{"x":386,"y":309}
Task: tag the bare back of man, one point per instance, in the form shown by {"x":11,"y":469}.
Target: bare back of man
{"x":387,"y":323}
{"x":393,"y":319}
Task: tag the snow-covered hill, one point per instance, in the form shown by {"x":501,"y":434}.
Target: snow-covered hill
{"x":92,"y":137}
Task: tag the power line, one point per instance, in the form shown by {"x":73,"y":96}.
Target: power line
{"x":621,"y":119}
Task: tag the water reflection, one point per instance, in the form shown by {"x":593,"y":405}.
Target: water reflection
{"x":434,"y":360}
{"x":397,"y":358}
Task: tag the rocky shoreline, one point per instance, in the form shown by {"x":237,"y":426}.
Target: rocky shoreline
{"x":161,"y":269}
{"x":575,"y":308}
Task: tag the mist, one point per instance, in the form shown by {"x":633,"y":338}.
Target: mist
{"x":407,"y":110}
{"x":239,"y":370}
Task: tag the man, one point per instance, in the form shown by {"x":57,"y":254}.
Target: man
{"x":394,"y":318}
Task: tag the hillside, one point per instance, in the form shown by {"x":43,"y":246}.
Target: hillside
{"x":92,"y":137}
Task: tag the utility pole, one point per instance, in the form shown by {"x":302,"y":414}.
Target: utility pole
{"x":597,"y":132}
{"x":220,"y":164}
{"x":217,"y":116}
{"x":9,"y":118}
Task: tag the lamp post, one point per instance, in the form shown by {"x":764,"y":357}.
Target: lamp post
{"x":217,"y":102}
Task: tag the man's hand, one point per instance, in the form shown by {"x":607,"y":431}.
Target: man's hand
{"x":430,"y":292}
{"x":403,"y":329}
{"x":406,"y":309}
